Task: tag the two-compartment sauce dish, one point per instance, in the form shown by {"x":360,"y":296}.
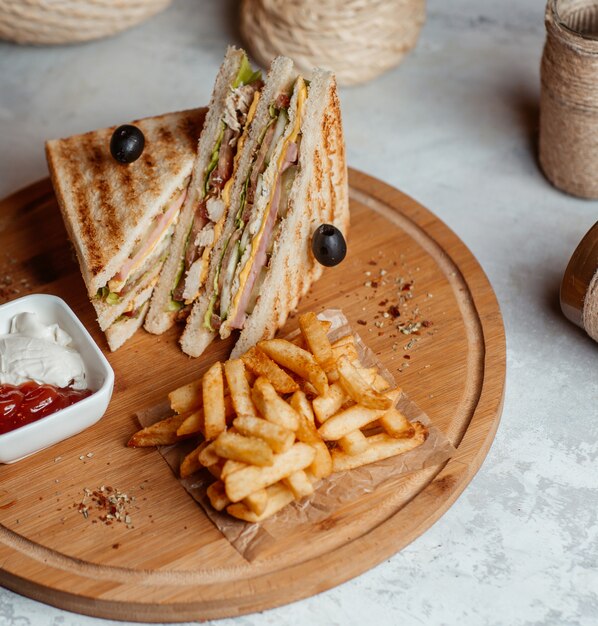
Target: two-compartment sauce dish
{"x":54,"y":380}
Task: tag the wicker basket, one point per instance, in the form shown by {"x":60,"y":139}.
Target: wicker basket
{"x":71,"y":21}
{"x":357,"y":39}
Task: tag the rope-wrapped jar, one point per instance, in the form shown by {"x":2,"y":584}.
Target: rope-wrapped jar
{"x":569,"y":98}
{"x":67,"y":21}
{"x":357,"y":39}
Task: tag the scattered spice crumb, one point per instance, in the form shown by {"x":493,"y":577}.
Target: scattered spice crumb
{"x":109,"y":504}
{"x":362,"y":322}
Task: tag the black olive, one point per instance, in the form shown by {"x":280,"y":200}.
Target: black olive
{"x":127,"y":143}
{"x":328,"y":245}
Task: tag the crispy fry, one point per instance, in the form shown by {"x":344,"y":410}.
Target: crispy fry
{"x":277,"y":437}
{"x":303,"y":406}
{"x":329,"y":404}
{"x":216,"y":468}
{"x":353,"y":443}
{"x":231,"y":466}
{"x":217,"y":495}
{"x":306,"y":432}
{"x":240,"y":484}
{"x":353,"y":418}
{"x":213,"y":402}
{"x":195,"y":421}
{"x":262,"y":365}
{"x":190,"y":463}
{"x":322,"y":463}
{"x":237,"y":447}
{"x":272,"y":406}
{"x":356,"y":387}
{"x":162,"y":433}
{"x":297,"y":360}
{"x":193,"y":424}
{"x":186,"y":398}
{"x":257,"y":501}
{"x":299,"y":484}
{"x":380,"y":447}
{"x":240,"y":392}
{"x":345,"y":346}
{"x":396,"y":424}
{"x":278,"y":497}
{"x":317,"y":340}
{"x":207,"y":456}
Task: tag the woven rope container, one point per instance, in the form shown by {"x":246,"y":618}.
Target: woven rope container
{"x":70,"y":21}
{"x":569,"y":99}
{"x":357,"y":39}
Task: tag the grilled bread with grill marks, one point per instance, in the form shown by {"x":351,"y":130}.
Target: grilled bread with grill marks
{"x":108,"y":207}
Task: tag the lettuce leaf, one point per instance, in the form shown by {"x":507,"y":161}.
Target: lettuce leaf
{"x":214,"y":158}
{"x":107,"y":296}
{"x":246,"y":74}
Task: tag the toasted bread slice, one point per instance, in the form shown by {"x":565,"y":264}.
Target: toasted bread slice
{"x":108,"y":207}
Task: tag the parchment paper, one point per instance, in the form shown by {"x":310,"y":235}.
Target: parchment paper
{"x":252,"y":540}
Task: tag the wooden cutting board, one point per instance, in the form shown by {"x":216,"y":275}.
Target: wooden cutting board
{"x":170,"y":563}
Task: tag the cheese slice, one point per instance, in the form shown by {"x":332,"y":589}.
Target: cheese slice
{"x":255,"y":243}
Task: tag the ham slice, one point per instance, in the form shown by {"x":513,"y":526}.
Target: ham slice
{"x":153,"y":239}
{"x":260,"y":258}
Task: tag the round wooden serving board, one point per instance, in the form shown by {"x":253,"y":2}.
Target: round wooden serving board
{"x":172,"y":564}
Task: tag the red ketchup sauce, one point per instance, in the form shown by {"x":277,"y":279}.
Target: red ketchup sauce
{"x":26,"y":403}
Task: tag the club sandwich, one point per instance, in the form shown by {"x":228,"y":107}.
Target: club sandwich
{"x":290,"y":177}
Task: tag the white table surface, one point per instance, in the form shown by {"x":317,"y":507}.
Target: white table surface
{"x":455,"y":126}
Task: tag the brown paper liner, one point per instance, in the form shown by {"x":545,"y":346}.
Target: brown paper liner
{"x":253,"y":541}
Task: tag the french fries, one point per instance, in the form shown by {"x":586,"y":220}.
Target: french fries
{"x":261,"y":365}
{"x":380,"y":446}
{"x":296,"y":360}
{"x":277,"y":437}
{"x":252,"y":478}
{"x":214,"y":411}
{"x":353,"y":418}
{"x":240,"y":391}
{"x":272,"y":406}
{"x":358,"y":389}
{"x":284,"y":415}
{"x":186,"y":398}
{"x":163,"y":433}
{"x":236,"y":447}
{"x":316,"y":339}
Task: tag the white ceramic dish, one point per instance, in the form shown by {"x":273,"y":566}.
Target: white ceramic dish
{"x":67,"y":422}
